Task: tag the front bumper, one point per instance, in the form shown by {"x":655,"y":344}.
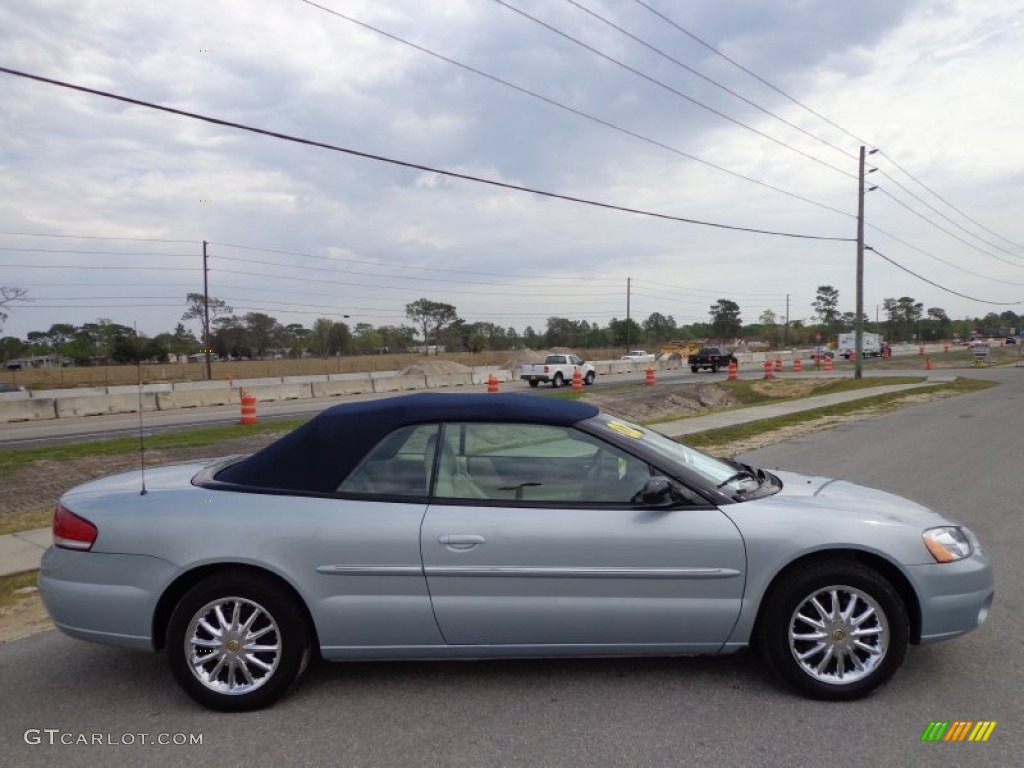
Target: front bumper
{"x":104,"y":598}
{"x":955,"y":597}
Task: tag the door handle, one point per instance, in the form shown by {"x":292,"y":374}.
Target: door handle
{"x":460,"y":540}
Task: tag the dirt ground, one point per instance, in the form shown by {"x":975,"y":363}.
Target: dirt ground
{"x":37,"y":486}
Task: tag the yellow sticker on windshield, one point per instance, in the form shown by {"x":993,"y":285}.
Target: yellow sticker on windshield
{"x":622,"y":429}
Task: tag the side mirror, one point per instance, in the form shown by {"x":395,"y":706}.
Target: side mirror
{"x":659,"y":491}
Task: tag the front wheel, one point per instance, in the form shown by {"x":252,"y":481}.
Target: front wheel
{"x":714,"y":369}
{"x":589,"y":378}
{"x":834,"y":631}
{"x":694,"y":368}
{"x":556,"y":382}
{"x":237,"y":641}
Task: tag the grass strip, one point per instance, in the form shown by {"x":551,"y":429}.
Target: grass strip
{"x":716,"y":438}
{"x":11,"y":460}
{"x":9,"y":586}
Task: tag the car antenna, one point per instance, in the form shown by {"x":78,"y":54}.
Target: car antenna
{"x":142,"y":442}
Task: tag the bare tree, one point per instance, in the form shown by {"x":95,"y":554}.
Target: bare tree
{"x":9,"y":295}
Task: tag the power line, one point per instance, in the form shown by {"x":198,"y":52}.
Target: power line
{"x":940,"y":287}
{"x":710,"y":80}
{"x":414,"y":166}
{"x":670,"y":89}
{"x":754,"y":75}
{"x":822,"y":117}
{"x":572,"y":110}
{"x":98,"y":253}
{"x":408,"y":266}
{"x":946,"y":202}
{"x":947,"y":232}
{"x":160,"y":268}
{"x":100,"y":237}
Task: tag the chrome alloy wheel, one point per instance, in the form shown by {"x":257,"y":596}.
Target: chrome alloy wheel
{"x":233,"y":645}
{"x":839,"y":635}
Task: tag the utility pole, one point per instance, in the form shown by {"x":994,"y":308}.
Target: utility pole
{"x":628,"y":291}
{"x":859,"y":316}
{"x":206,"y":314}
{"x":785,"y":328}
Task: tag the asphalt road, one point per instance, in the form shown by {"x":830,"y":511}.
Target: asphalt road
{"x":958,"y":455}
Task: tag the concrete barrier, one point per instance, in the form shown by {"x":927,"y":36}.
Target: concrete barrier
{"x":196,"y":398}
{"x":481,"y":375}
{"x":28,"y":409}
{"x":107,"y":404}
{"x":349,"y":385}
{"x":438,"y":380}
{"x":280,"y":392}
{"x":73,"y":392}
{"x":127,"y":389}
{"x":399,"y":383}
{"x":252,"y":383}
{"x":193,"y":386}
{"x":312,"y":379}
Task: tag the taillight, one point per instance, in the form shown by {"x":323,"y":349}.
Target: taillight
{"x":546,"y":369}
{"x":71,"y":531}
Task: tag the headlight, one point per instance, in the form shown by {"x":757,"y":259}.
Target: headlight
{"x":947,"y":544}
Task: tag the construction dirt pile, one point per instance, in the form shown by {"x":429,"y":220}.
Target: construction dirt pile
{"x":664,"y":402}
{"x":432,"y":367}
{"x":524,"y":357}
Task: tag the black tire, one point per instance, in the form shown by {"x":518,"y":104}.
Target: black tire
{"x":694,"y":368}
{"x":714,"y":369}
{"x":589,"y":378}
{"x":534,"y":383}
{"x":556,"y":382}
{"x":884,"y":625}
{"x":281,"y":621}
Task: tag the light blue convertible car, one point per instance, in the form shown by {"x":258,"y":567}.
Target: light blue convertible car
{"x":466,"y":526}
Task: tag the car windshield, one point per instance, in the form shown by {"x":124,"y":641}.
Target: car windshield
{"x":721,"y":474}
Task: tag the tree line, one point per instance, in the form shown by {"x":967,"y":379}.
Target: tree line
{"x":436,"y":325}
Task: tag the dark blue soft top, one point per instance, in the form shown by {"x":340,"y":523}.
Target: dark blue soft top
{"x":318,"y":455}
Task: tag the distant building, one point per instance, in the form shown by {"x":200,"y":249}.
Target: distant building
{"x":39,"y":361}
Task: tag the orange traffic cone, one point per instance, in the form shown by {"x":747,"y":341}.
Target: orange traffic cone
{"x":928,"y":363}
{"x":733,"y":370}
{"x":492,"y":383}
{"x":577,"y":380}
{"x":649,"y":380}
{"x":778,"y":365}
{"x":767,"y":369}
{"x":828,"y":363}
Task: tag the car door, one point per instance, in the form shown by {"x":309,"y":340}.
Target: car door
{"x":532,"y":538}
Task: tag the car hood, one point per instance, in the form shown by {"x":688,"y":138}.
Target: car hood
{"x":846,"y":498}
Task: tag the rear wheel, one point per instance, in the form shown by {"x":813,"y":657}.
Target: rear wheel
{"x":534,"y":382}
{"x":556,"y":382}
{"x":714,"y":368}
{"x":236,"y":641}
{"x":834,"y":630}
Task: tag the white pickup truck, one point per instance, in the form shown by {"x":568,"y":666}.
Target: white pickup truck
{"x":558,"y":370}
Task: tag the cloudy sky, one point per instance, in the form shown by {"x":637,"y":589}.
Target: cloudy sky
{"x":104,"y":205}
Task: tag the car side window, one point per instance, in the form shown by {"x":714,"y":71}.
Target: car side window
{"x":535,"y":463}
{"x":401,"y":464}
